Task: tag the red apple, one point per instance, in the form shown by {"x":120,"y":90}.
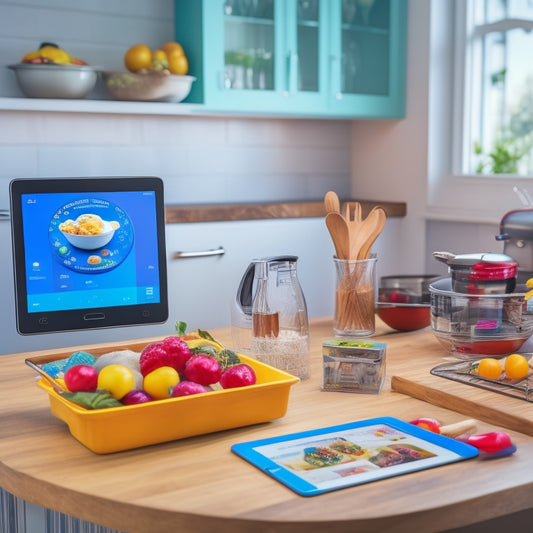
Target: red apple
{"x":238,"y":376}
{"x":187,"y":388}
{"x":81,"y":378}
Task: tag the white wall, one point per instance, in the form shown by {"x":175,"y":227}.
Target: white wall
{"x":200,"y":159}
{"x":389,"y":158}
{"x":393,"y":160}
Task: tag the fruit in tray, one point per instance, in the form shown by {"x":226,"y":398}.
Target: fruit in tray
{"x":514,"y":366}
{"x":178,"y":365}
{"x":169,"y":58}
{"x":52,"y":54}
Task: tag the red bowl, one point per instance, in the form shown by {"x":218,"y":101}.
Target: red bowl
{"x":404,"y":317}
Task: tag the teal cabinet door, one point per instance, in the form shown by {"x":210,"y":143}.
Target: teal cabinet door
{"x":287,"y":57}
{"x":368,"y":53}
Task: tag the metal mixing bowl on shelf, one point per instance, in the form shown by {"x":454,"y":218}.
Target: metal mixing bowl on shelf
{"x":472,"y":326}
{"x":404,"y":301}
{"x":55,"y":81}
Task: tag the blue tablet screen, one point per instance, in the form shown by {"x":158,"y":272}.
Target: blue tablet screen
{"x":90,"y":250}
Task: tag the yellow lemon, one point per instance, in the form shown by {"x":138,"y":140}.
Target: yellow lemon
{"x":194,"y":343}
{"x":171,"y":46}
{"x":177,"y":63}
{"x":138,"y":57}
{"x":117,"y":379}
{"x":159,"y":382}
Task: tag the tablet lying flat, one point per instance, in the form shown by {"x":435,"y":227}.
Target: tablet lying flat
{"x":88,"y":253}
{"x":326,"y":459}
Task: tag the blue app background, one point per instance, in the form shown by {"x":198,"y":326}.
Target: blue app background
{"x":59,"y":276}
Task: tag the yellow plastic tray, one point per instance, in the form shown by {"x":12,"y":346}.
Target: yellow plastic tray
{"x":123,"y":428}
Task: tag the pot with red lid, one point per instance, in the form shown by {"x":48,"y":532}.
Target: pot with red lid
{"x":480,"y":273}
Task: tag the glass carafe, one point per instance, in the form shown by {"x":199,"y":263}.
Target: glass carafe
{"x":277,"y":319}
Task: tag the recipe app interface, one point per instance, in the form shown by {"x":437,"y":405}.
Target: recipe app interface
{"x":90,"y":250}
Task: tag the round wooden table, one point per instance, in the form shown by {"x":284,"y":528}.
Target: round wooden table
{"x":198,"y":485}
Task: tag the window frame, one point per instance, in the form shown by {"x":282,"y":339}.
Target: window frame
{"x":452,"y":194}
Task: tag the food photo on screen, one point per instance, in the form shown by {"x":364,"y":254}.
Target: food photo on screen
{"x":90,"y":250}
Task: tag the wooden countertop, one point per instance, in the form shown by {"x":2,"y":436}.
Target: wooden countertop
{"x":197,"y":485}
{"x":256,"y":211}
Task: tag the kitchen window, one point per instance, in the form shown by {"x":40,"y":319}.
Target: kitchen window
{"x":498,"y":85}
{"x":488,"y":158}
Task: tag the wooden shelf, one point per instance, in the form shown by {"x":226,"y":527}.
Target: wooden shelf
{"x":257,"y":211}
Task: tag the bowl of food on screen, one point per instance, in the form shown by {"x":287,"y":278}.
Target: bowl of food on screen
{"x":88,"y":231}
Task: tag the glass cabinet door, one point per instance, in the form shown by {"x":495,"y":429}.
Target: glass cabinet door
{"x":249,"y":45}
{"x":365,"y":46}
{"x":308,"y":34}
{"x":370,"y":55}
{"x":337,"y":58}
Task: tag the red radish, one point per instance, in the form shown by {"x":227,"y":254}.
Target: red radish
{"x":238,"y":376}
{"x":81,"y":378}
{"x":187,"y":388}
{"x":178,"y":349}
{"x":171,"y":351}
{"x":203,"y":369}
{"x":136,"y":396}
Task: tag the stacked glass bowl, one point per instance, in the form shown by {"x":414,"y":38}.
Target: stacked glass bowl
{"x":480,"y":311}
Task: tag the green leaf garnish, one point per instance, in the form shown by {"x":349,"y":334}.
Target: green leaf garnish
{"x":205,"y":335}
{"x":181,"y":328}
{"x":101,"y":399}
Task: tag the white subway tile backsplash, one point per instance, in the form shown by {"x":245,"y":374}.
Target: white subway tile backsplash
{"x":18,"y":160}
{"x":184,"y":131}
{"x":289,"y":132}
{"x":201,"y":159}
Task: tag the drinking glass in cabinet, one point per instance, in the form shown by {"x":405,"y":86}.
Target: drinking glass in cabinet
{"x":249,"y":8}
{"x":252,"y":69}
{"x":349,"y":10}
{"x":366,"y":8}
{"x":308,"y":10}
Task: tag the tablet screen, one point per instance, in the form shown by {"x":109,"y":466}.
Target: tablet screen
{"x":88,"y":253}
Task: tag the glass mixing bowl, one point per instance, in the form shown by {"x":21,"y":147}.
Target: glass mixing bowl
{"x":473,"y":326}
{"x":403,"y":301}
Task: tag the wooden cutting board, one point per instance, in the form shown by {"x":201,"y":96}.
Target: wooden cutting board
{"x":491,"y":407}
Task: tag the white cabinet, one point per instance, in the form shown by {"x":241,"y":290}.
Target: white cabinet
{"x":202,"y":289}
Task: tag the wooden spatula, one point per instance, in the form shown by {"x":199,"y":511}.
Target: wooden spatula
{"x":332,"y":203}
{"x":376,"y":222}
{"x":338,"y":229}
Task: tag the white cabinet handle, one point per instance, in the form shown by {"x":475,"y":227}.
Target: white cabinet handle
{"x":202,"y":253}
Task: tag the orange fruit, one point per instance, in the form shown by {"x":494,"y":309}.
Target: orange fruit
{"x":489,"y":368}
{"x":138,"y":57}
{"x":177,"y":63}
{"x":159,"y":60}
{"x":516,"y":366}
{"x":171,"y":46}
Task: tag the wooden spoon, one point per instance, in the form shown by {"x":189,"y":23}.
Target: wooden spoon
{"x":338,"y":229}
{"x":377,"y":218}
{"x":332,"y":203}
